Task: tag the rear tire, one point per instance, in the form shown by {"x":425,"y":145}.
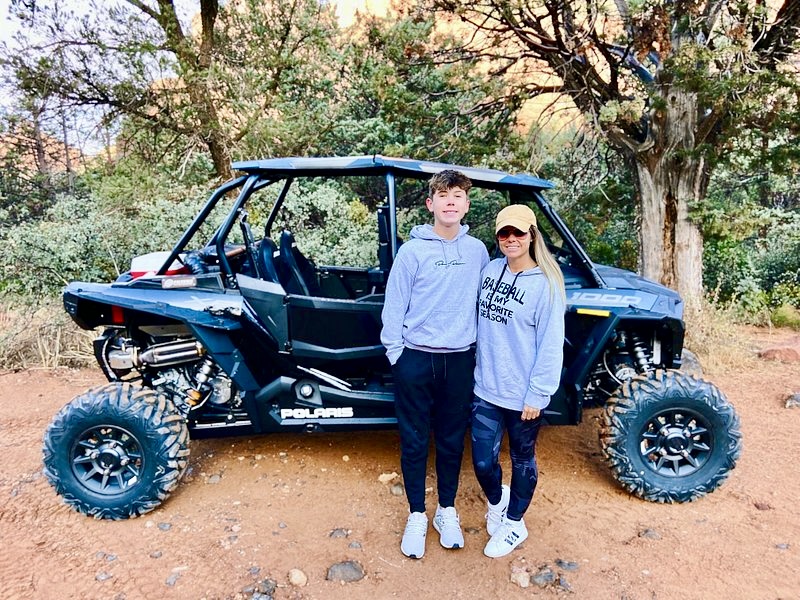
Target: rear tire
{"x":670,"y":437}
{"x":116,"y":451}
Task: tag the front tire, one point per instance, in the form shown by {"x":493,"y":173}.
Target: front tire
{"x":669,"y":437}
{"x":116,"y":451}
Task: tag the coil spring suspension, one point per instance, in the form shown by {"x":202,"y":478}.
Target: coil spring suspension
{"x":204,"y":373}
{"x":640,"y":354}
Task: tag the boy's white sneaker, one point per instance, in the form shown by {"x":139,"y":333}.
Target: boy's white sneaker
{"x":497,"y":512}
{"x":508,"y":536}
{"x":413,"y":544}
{"x":447,"y":523}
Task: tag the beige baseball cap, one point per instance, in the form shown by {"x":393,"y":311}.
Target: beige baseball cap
{"x":516,"y":215}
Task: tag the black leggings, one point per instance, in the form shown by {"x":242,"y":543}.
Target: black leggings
{"x":437,"y":388}
{"x":488,"y":423}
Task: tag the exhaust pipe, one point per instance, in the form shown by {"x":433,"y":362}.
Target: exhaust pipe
{"x":160,"y":355}
{"x":171,"y":353}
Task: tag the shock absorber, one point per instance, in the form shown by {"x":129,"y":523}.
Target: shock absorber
{"x":640,"y":354}
{"x":204,"y":374}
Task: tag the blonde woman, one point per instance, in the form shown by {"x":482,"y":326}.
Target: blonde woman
{"x":519,"y":357}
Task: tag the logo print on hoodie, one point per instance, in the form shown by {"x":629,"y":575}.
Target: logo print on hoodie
{"x":495,"y":307}
{"x":452,"y":263}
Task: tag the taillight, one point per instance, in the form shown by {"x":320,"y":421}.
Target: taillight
{"x":117,"y":315}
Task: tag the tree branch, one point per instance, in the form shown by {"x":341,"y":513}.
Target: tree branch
{"x":778,"y":43}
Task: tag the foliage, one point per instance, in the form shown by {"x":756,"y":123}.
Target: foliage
{"x":330,"y":226}
{"x":786,"y":315}
{"x":594,"y":195}
{"x":402,"y":100}
{"x":752,"y":250}
{"x":81,"y":239}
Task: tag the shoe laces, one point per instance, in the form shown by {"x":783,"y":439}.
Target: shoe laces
{"x":416,"y":525}
{"x":449,"y":517}
{"x":505,"y":531}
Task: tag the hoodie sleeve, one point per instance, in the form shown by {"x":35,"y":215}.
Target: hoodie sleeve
{"x":546,"y":373}
{"x":485,"y":260}
{"x":395,"y":306}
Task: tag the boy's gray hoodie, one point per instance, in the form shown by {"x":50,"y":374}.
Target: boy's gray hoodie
{"x":520,"y":338}
{"x":430,"y":296}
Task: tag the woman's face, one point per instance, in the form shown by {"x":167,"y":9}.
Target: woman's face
{"x":513,"y":242}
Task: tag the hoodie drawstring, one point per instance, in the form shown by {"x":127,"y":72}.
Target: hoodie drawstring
{"x":499,"y":281}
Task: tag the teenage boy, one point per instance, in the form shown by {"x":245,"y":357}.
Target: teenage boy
{"x":429,"y":325}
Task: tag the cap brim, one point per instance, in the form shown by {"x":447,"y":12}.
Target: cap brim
{"x":513,"y":222}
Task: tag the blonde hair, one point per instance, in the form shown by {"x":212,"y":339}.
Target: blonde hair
{"x":540,"y":253}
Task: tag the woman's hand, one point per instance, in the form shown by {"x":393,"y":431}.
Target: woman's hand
{"x":529,"y":413}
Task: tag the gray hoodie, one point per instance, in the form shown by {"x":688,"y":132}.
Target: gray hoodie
{"x":430,"y":296}
{"x":520,"y":338}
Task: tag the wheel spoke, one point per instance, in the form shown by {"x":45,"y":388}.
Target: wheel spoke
{"x":107,"y":459}
{"x":702,"y":447}
{"x":89,"y":474}
{"x":692,"y":460}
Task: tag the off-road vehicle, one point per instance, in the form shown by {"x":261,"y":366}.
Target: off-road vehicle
{"x":240,"y":333}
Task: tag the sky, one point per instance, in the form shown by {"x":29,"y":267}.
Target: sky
{"x":7,"y":28}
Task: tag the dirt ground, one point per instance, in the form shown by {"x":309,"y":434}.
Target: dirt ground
{"x":252,"y":509}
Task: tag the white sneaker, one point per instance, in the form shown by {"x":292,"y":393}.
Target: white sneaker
{"x":508,"y":536}
{"x":497,"y":512}
{"x":413,"y":544}
{"x":447,"y":523}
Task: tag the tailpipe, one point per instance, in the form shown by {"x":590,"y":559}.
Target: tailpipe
{"x":127,"y":356}
{"x":171,"y":353}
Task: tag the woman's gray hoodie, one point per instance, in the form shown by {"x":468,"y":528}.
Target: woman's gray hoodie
{"x":520,"y":338}
{"x":430,"y":296}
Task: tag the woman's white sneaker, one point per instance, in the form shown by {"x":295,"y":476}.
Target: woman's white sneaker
{"x":413,"y":544}
{"x":495,"y":513}
{"x":508,"y":536}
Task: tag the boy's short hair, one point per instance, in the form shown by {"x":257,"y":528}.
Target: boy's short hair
{"x":449,"y":178}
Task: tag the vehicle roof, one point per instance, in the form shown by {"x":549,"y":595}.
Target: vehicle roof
{"x":379,"y":165}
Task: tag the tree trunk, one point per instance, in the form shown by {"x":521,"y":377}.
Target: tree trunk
{"x":195,"y":64}
{"x":670,"y":177}
{"x":670,"y":245}
{"x":216,"y":141}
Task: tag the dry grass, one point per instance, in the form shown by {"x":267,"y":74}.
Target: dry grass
{"x":715,"y":335}
{"x":42,"y":336}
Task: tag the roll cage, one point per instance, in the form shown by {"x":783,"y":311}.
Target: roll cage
{"x":262,"y":173}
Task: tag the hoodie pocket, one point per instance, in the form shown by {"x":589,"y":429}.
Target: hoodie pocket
{"x":448,"y":329}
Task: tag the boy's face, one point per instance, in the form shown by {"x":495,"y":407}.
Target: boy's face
{"x":448,"y":206}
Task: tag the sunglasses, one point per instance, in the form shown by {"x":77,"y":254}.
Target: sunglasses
{"x":507,"y":232}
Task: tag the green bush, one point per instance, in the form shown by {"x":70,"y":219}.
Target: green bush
{"x":80,"y":239}
{"x":786,"y":315}
{"x":330,"y":223}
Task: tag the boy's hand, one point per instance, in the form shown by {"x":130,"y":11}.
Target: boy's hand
{"x":529,"y":413}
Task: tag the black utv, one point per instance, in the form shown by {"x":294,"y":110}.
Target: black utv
{"x":236,"y":331}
